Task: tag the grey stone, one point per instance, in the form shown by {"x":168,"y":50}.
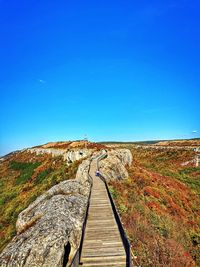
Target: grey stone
{"x":68,"y":155}
{"x":114,"y":165}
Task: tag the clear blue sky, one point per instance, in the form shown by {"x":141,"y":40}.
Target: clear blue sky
{"x":114,"y":70}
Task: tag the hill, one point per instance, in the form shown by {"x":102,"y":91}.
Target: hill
{"x":180,"y":142}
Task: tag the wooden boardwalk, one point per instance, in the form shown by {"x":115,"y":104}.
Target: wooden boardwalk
{"x":102,"y":244}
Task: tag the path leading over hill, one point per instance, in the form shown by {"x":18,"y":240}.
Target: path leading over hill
{"x":102,"y":245}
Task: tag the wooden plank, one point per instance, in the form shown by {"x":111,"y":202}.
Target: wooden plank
{"x":102,"y":244}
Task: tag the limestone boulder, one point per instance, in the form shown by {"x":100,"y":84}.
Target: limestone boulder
{"x":114,"y":165}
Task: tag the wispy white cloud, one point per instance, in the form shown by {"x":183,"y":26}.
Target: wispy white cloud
{"x":42,"y":81}
{"x":195,"y":131}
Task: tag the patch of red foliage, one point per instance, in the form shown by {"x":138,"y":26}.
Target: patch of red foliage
{"x":171,"y":191}
{"x":154,"y":205}
{"x":74,"y":144}
{"x":97,"y":146}
{"x":44,"y":166}
{"x":150,"y":191}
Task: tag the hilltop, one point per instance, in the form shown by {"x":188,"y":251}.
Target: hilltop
{"x":72,"y":145}
{"x":182,"y":143}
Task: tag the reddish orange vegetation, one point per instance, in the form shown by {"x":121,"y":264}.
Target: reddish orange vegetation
{"x":159,"y":211}
{"x":149,"y":191}
{"x":73,"y":144}
{"x":61,"y":145}
{"x":44,"y":166}
{"x":194,"y":143}
{"x":154,"y":206}
{"x":96,"y":146}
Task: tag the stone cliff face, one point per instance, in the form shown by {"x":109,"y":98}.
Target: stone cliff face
{"x":68,"y":155}
{"x":54,"y":221}
{"x":114,"y":165}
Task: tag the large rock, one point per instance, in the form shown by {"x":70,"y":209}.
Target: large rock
{"x":82,"y":174}
{"x":52,"y":222}
{"x":114,"y":165}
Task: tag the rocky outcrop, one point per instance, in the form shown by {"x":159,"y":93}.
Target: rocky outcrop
{"x":114,"y":165}
{"x":52,"y":222}
{"x":68,"y":155}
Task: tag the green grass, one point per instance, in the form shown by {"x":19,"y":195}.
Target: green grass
{"x":191,"y":181}
{"x":26,"y":170}
{"x":42,"y":175}
{"x":189,"y":170}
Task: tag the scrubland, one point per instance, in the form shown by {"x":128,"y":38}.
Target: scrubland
{"x":159,"y":205}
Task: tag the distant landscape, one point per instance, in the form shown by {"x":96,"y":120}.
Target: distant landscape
{"x":158,"y":203}
{"x":192,"y":142}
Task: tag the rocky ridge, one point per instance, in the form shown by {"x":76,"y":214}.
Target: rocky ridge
{"x":68,"y":155}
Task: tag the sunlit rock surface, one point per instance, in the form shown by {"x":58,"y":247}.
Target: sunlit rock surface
{"x":114,"y":165}
{"x":68,"y":155}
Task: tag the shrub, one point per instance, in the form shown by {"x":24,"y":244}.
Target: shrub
{"x":113,"y":191}
{"x":122,"y":208}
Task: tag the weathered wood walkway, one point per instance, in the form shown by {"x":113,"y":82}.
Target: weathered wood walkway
{"x":102,"y":244}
